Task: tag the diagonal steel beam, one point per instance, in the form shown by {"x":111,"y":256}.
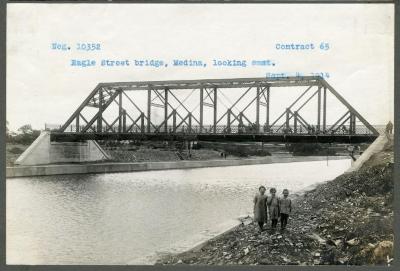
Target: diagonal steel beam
{"x":78,"y":111}
{"x":252,"y":101}
{"x":84,"y":119}
{"x":159,"y":96}
{"x":104,"y":107}
{"x":291,"y":116}
{"x":232,"y":106}
{"x":183,"y":120}
{"x":247,"y":119}
{"x":163,"y":122}
{"x":302,"y":120}
{"x":273,"y":123}
{"x":339,"y":120}
{"x":351,"y":109}
{"x":134,"y":122}
{"x":112,"y":124}
{"x":179,"y":115}
{"x":187,"y":110}
{"x":341,"y":124}
{"x":130,"y":100}
{"x":137,"y":107}
{"x":208,"y":95}
{"x":235,"y":117}
{"x":305,"y":125}
{"x":312,"y":96}
{"x":184,"y":100}
{"x":108,"y":125}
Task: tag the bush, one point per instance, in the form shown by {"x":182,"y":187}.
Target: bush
{"x":310,"y":149}
{"x":24,"y":139}
{"x":15,"y":150}
{"x":245,"y":151}
{"x":261,"y":153}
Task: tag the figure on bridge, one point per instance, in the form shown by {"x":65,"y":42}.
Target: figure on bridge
{"x":311,"y":129}
{"x":286,"y":130}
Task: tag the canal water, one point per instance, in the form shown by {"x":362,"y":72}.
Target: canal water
{"x":133,"y":218}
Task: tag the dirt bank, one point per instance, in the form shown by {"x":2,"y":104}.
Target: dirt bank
{"x":347,"y":221}
{"x":153,"y":151}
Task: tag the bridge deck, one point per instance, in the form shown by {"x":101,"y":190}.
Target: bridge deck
{"x":289,"y":138}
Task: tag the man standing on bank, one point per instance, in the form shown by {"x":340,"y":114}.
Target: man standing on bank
{"x":389,"y":127}
{"x":260,"y":208}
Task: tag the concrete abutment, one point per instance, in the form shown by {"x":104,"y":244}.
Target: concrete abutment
{"x":42,"y":152}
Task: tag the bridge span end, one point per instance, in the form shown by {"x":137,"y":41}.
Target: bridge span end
{"x":42,"y":151}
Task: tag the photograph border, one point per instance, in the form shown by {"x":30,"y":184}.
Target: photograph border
{"x":3,"y":266}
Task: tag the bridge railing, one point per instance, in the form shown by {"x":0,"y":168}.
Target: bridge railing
{"x":221,"y":129}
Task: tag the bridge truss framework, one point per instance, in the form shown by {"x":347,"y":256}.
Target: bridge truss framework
{"x":228,"y":126}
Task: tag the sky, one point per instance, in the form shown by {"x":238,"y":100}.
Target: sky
{"x":42,"y":86}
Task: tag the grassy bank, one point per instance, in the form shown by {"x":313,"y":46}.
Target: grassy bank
{"x":158,"y":151}
{"x":347,"y":221}
{"x":13,"y":151}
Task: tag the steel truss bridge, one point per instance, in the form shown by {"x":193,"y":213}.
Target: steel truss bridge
{"x":246,"y":117}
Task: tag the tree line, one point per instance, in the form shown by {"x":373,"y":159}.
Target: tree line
{"x":25,"y":134}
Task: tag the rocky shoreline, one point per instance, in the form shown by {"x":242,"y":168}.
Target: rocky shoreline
{"x":347,"y":221}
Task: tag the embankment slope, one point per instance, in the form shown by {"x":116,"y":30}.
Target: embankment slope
{"x":347,"y":221}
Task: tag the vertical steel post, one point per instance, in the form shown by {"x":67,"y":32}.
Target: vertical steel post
{"x":100,"y":117}
{"x":287,"y":120}
{"x":258,"y":110}
{"x":228,"y":121}
{"x":352,"y":123}
{"x":295,"y":122}
{"x":174,"y":120}
{"x":267,"y":116}
{"x":166,"y":110}
{"x":241,"y":128}
{"x":215,"y":110}
{"x":319,"y":110}
{"x":124,"y":121}
{"x":120,"y":111}
{"x":190,"y":124}
{"x":77,"y":124}
{"x":201,"y":109}
{"x":142,"y":122}
{"x":148,"y":110}
{"x":324,"y":112}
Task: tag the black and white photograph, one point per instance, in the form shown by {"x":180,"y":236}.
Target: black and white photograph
{"x":200,"y":134}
